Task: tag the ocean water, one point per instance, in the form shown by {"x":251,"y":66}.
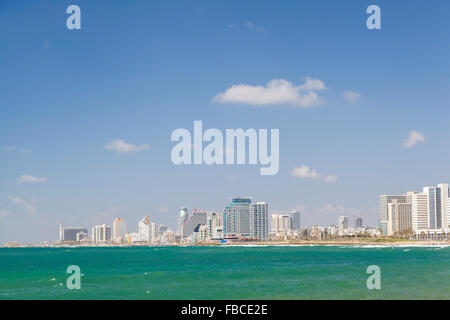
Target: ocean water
{"x":234,"y":272}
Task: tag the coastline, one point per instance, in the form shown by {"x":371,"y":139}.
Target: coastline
{"x":358,"y":243}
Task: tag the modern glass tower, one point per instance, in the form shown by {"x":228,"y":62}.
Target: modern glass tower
{"x":259,"y":221}
{"x":237,"y":217}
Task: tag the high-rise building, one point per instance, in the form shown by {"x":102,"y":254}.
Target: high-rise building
{"x":70,"y":233}
{"x":154,"y":232}
{"x":182,"y":217}
{"x":384,"y":200}
{"x":214,"y":226}
{"x":445,"y":194}
{"x":101,"y":233}
{"x":399,"y":217}
{"x":434,"y":207}
{"x":447,"y":215}
{"x":358,"y":222}
{"x":342,"y":224}
{"x":194,"y":222}
{"x":294,"y":221}
{"x":144,"y":229}
{"x":237,"y":217}
{"x":419,"y":211}
{"x":280,"y":223}
{"x":259,"y":221}
{"x":119,"y":229}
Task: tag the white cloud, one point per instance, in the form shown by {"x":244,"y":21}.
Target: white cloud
{"x":277,"y":91}
{"x":352,"y":96}
{"x":413,"y":138}
{"x":27,"y":205}
{"x":305,"y":172}
{"x":250,"y":25}
{"x":330,"y":178}
{"x":28,"y":178}
{"x":120,"y":146}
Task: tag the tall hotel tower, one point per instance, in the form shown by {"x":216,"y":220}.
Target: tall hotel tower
{"x":259,"y":221}
{"x":182,"y":217}
{"x":237,"y":217}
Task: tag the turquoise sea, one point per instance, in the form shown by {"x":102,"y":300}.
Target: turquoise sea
{"x":228,"y":272}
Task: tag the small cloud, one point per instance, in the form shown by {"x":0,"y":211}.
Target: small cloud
{"x":250,"y":25}
{"x":352,"y":96}
{"x":276,"y":91}
{"x":305,"y":172}
{"x":25,"y":178}
{"x":413,"y":138}
{"x":27,"y":205}
{"x":120,"y":146}
{"x":330,"y":178}
{"x":8,"y":148}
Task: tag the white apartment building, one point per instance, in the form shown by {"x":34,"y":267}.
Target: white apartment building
{"x":119,"y":230}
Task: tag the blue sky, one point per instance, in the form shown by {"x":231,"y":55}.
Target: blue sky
{"x":137,"y":70}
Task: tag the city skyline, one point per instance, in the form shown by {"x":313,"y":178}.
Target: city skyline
{"x":86,"y":115}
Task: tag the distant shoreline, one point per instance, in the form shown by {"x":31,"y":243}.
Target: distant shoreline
{"x":393,"y":243}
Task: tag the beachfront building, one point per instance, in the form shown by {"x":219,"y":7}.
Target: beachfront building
{"x":194,"y":222}
{"x":384,"y":201}
{"x":294,"y":221}
{"x":237,"y":217}
{"x":70,"y":233}
{"x":214,"y":226}
{"x":280,"y":223}
{"x":119,"y":230}
{"x":144,"y":228}
{"x":357,"y":222}
{"x":399,"y":218}
{"x":101,"y":233}
{"x":259,"y":221}
{"x":182,"y":217}
{"x":342,"y":225}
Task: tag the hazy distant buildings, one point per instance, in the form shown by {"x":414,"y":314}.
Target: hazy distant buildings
{"x":294,"y":221}
{"x":119,"y":230}
{"x":194,"y":222}
{"x":342,"y":225}
{"x":259,"y":221}
{"x":101,"y":233}
{"x":280,"y":223}
{"x":71,"y":233}
{"x":182,"y":217}
{"x":357,"y":222}
{"x":144,"y":229}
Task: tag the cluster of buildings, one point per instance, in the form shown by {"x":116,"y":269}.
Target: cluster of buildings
{"x":409,"y":215}
{"x":420,"y":214}
{"x":241,"y":220}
